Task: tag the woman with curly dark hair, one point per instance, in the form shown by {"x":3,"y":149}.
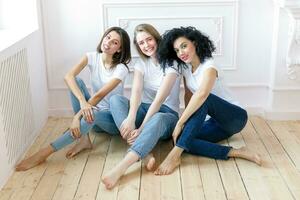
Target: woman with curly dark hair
{"x":205,"y":95}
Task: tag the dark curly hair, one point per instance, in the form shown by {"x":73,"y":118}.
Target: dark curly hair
{"x":167,"y":55}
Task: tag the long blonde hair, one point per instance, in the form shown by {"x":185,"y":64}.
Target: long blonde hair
{"x":148,"y":29}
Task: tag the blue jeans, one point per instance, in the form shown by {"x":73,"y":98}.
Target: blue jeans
{"x":160,"y":125}
{"x":200,"y":137}
{"x":103,"y":121}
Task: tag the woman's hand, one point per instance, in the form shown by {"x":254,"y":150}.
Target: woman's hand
{"x":133,"y":135}
{"x":87,"y":112}
{"x":75,"y":128}
{"x":177,"y":131}
{"x":127,"y":126}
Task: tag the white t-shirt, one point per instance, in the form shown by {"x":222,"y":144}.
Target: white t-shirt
{"x":100,"y":76}
{"x":153,"y":76}
{"x":193,"y":80}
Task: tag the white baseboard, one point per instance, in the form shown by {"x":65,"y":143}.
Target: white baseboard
{"x":282,"y":115}
{"x":257,"y":111}
{"x":273,"y":115}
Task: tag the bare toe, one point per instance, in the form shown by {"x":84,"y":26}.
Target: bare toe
{"x":28,"y":164}
{"x":247,"y":154}
{"x":79,"y":147}
{"x":110,"y":181}
{"x":35,"y":159}
{"x":257,"y":159}
{"x":150,"y":162}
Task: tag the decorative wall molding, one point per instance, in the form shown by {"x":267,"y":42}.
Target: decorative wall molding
{"x":281,"y":115}
{"x":216,"y":20}
{"x":293,"y":54}
{"x":280,"y":89}
{"x":106,"y":6}
{"x":222,"y":37}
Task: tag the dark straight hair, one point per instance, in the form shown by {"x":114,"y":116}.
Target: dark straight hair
{"x":124,"y":56}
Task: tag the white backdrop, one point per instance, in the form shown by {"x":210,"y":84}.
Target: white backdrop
{"x":243,"y":31}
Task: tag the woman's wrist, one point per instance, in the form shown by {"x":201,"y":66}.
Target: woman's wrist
{"x":141,"y":127}
{"x":131,"y":117}
{"x":82,"y":101}
{"x":78,"y":115}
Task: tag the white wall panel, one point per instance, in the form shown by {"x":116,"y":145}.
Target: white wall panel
{"x":216,"y":19}
{"x":71,"y":28}
{"x":243,"y":31}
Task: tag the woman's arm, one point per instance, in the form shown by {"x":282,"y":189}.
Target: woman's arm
{"x":107,"y":88}
{"x":93,"y":101}
{"x":103,"y":91}
{"x":196,"y":100}
{"x":136,"y":94}
{"x":160,"y":97}
{"x":71,"y":82}
{"x":187,"y":94}
{"x":200,"y":95}
{"x":70,"y":79}
{"x":135,"y":100}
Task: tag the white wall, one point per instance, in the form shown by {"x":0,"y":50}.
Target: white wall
{"x":284,"y":95}
{"x":74,"y":27}
{"x":39,"y":91}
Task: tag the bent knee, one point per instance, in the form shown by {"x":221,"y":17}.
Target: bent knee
{"x":165,"y":118}
{"x":158,"y":116}
{"x":116,"y":98}
{"x":79,"y":81}
{"x":242,"y":121}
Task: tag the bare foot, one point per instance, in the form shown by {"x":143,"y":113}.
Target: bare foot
{"x":245,"y":153}
{"x":35,"y":159}
{"x":84,"y":143}
{"x":111,"y":179}
{"x":149,"y":162}
{"x":170,"y":162}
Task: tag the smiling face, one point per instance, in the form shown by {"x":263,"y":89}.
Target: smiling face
{"x":146,"y":43}
{"x":111,"y":43}
{"x":185,"y":49}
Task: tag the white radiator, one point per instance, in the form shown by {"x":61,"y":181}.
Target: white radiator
{"x":16,"y":110}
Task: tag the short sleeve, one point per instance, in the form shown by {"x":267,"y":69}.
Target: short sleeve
{"x":210,"y":64}
{"x":120,"y":72}
{"x":91,"y":56}
{"x":140,"y":66}
{"x":172,"y":69}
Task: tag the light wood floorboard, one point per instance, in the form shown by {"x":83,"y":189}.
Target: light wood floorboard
{"x":79,"y":178}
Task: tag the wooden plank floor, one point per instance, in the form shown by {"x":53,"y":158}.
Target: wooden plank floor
{"x":278,"y":142}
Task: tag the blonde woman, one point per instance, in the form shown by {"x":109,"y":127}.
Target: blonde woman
{"x":152,"y":111}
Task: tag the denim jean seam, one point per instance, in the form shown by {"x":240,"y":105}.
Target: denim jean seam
{"x":171,"y":111}
{"x":245,"y":122}
{"x":182,"y":147}
{"x":54,"y":148}
{"x":226,"y":156}
{"x":138,"y":153}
